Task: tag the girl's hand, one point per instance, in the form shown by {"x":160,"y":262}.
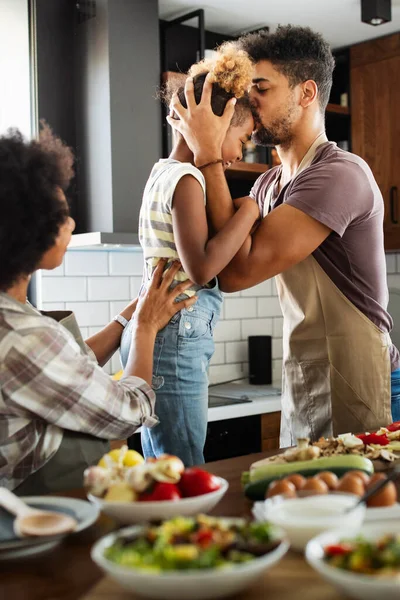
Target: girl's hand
{"x":203,"y":131}
{"x":157,"y":306}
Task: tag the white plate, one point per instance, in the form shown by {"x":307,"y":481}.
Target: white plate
{"x":128,"y":513}
{"x":354,"y":585}
{"x":202,"y":584}
{"x":84,"y":512}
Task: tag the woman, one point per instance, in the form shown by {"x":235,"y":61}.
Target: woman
{"x":57,"y":406}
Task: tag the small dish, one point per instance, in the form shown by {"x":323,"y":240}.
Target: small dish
{"x":12,"y":547}
{"x":304,"y":518}
{"x":128,"y":513}
{"x":354,"y":585}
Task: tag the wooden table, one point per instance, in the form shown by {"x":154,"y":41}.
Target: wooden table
{"x":68,"y":572}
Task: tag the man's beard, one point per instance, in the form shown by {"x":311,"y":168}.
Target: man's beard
{"x":278,"y":134}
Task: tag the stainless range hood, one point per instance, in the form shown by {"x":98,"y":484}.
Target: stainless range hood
{"x":103,"y":240}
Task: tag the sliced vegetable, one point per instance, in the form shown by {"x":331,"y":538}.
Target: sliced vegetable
{"x":374,"y":438}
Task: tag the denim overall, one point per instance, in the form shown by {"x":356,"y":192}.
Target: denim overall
{"x":182,"y":354}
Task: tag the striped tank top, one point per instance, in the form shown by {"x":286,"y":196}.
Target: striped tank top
{"x":156,"y":235}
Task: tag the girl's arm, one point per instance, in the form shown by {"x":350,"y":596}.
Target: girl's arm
{"x":203,"y":258}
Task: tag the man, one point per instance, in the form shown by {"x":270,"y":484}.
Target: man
{"x":321,"y":235}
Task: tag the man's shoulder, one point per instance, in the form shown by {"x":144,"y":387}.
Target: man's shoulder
{"x":335,"y":160}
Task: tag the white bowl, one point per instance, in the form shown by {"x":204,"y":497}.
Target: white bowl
{"x":186,"y":585}
{"x":364,"y":587}
{"x":304,"y":518}
{"x":127,"y":513}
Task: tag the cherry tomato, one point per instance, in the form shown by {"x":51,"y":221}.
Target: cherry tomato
{"x":161,"y":491}
{"x":196,"y":482}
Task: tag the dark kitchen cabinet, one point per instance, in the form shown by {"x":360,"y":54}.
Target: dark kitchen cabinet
{"x":375,"y":101}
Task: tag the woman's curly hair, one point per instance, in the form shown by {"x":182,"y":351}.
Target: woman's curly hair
{"x":31,"y":211}
{"x":231,"y":70}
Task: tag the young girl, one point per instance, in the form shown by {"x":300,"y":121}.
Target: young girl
{"x":173,"y":224}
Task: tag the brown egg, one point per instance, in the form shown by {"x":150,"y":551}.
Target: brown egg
{"x":351,"y":484}
{"x":363,"y":476}
{"x":330,"y":479}
{"x":387,"y":496}
{"x":297,"y":480}
{"x":314,"y":485}
{"x":280,"y":486}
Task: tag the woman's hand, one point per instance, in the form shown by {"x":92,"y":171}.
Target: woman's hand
{"x":203,"y":131}
{"x":157,"y":306}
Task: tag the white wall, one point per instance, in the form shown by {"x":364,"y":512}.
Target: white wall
{"x":15,"y":98}
{"x":97,"y":284}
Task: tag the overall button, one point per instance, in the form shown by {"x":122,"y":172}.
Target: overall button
{"x":190,"y":309}
{"x":188,"y":325}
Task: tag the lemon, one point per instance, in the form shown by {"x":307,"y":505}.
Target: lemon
{"x":131,"y":458}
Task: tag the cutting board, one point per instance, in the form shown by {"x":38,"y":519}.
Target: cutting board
{"x":290,"y":578}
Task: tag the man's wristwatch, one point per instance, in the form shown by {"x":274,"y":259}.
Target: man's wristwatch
{"x":121,"y":320}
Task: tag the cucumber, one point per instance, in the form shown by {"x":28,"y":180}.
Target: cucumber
{"x":258,"y":479}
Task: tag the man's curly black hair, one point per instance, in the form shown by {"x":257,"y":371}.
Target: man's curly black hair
{"x":298,"y":53}
{"x":31,"y":210}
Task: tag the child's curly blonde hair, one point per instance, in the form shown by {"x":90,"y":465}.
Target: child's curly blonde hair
{"x":231,"y":71}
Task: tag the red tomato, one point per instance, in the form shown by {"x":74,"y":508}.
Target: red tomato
{"x":196,"y":482}
{"x":338,"y":549}
{"x":161,"y":491}
{"x":203,"y":537}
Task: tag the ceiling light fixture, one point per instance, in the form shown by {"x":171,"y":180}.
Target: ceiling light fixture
{"x":376,"y":12}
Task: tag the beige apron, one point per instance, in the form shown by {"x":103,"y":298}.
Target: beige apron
{"x":77,"y":451}
{"x":336,"y":362}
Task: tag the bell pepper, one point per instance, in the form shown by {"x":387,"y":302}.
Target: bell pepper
{"x":338,"y":549}
{"x":394,"y":426}
{"x":374,"y":438}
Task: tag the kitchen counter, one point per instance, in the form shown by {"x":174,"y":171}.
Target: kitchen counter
{"x":264,"y":399}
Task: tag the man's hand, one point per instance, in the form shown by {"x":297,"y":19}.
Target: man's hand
{"x":156,"y":307}
{"x":202,"y":130}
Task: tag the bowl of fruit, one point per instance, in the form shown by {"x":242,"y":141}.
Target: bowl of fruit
{"x":150,"y":490}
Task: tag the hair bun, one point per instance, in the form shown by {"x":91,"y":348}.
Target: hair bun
{"x":231,"y":69}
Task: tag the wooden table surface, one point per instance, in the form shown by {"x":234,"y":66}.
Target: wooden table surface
{"x":68,"y":572}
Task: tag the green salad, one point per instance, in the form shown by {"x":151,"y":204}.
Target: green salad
{"x":362,"y":556}
{"x":200,"y":542}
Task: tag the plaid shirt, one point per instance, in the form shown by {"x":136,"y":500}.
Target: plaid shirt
{"x":48,"y":384}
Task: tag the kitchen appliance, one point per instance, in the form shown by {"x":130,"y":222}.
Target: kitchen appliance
{"x":260,"y":359}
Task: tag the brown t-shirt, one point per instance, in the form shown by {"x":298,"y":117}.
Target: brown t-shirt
{"x":338,"y":189}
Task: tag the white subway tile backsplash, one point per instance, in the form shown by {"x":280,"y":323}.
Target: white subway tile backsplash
{"x":108,"y":288}
{"x":53,"y":306}
{"x":240,"y":308}
{"x":394,"y":281}
{"x":231,"y":294}
{"x":277,"y":348}
{"x":219,"y":354}
{"x":126,"y":263}
{"x":227,"y":331}
{"x":236,"y":352}
{"x":86,"y":263}
{"x":117,"y":306}
{"x":135,"y":283}
{"x":262,"y":289}
{"x":278,"y":327}
{"x":223,"y":373}
{"x":64,"y":289}
{"x":57,"y":272}
{"x":90,"y":313}
{"x":94,"y":330}
{"x":391,"y":263}
{"x":256,"y":327}
{"x":268,"y":307}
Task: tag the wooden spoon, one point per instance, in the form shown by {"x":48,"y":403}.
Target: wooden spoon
{"x":33,"y":521}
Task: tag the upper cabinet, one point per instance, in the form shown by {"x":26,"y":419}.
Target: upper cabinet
{"x":375,"y":101}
